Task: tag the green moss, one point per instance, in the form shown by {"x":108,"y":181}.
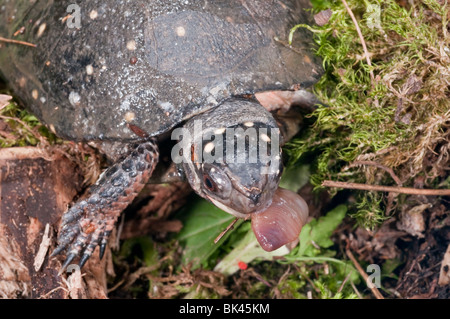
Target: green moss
{"x":324,"y":282}
{"x":400,"y":118}
{"x":22,"y":128}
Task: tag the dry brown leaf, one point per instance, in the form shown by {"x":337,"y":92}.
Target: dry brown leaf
{"x":444,"y":276}
{"x":323,"y":17}
{"x":412,"y":220}
{"x":4,"y":100}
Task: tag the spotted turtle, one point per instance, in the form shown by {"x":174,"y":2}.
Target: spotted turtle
{"x":130,"y":74}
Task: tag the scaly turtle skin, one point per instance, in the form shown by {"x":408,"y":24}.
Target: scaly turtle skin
{"x":131,"y":71}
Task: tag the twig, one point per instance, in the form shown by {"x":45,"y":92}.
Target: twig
{"x":43,"y":248}
{"x":225,"y":231}
{"x":17,"y":42}
{"x":21,"y":30}
{"x":356,"y":290}
{"x":138,"y":273}
{"x":307,"y":278}
{"x":253,"y":273}
{"x":394,"y":189}
{"x":52,"y":291}
{"x":116,"y":286}
{"x":25,"y":125}
{"x":374,"y":289}
{"x":358,"y":30}
{"x":387,"y":169}
{"x":391,"y":196}
{"x":345,"y":281}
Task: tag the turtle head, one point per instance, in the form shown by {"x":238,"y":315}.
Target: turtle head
{"x":234,"y":189}
{"x":244,"y":182}
{"x":232,"y":156}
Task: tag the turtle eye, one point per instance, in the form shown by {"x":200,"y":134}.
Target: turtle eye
{"x":209,"y":183}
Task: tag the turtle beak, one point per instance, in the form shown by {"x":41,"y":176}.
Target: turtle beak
{"x":227,"y":209}
{"x":251,"y":192}
{"x":255,"y":198}
{"x":245,"y":201}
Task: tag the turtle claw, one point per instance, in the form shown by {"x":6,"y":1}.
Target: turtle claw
{"x":83,"y":260}
{"x":89,"y":222}
{"x":57,"y":251}
{"x":103,"y":244}
{"x":102,"y":251}
{"x":83,"y":244}
{"x":66,"y":237}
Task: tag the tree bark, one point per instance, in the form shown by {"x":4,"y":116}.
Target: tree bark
{"x":34,"y":193}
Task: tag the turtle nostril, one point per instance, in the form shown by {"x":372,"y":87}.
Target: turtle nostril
{"x":255,"y":198}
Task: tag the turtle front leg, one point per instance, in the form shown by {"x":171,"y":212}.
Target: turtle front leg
{"x":90,"y":221}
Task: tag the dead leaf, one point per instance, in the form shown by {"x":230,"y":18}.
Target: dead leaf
{"x":43,"y":248}
{"x":444,"y":276}
{"x":4,"y":100}
{"x":412,"y":221}
{"x":412,"y":85}
{"x":323,"y":17}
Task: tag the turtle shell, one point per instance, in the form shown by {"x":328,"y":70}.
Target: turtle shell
{"x":101,"y":65}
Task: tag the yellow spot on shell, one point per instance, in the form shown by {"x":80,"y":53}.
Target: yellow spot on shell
{"x":131,"y":45}
{"x":93,"y":14}
{"x":41,"y":29}
{"x":209,"y":147}
{"x":89,"y":69}
{"x":181,"y":32}
{"x":22,"y":82}
{"x":220,"y":131}
{"x":129,"y":117}
{"x":265,"y":138}
{"x":35,"y":94}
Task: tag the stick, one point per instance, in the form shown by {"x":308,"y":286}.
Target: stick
{"x":43,"y":248}
{"x":25,"y":125}
{"x":394,"y":189}
{"x":387,"y":169}
{"x":17,"y":42}
{"x":356,"y":290}
{"x":225,"y":231}
{"x":345,"y":281}
{"x":374,"y":289}
{"x":358,"y":30}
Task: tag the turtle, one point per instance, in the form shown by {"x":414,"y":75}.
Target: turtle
{"x":135,"y":75}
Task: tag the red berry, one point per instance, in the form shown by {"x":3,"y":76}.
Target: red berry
{"x":242,"y":265}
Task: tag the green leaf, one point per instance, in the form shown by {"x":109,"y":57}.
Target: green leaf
{"x":29,"y":118}
{"x":318,"y":232}
{"x":315,"y":238}
{"x":389,"y":267}
{"x":246,"y":250}
{"x":203,"y":222}
{"x":147,"y":247}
